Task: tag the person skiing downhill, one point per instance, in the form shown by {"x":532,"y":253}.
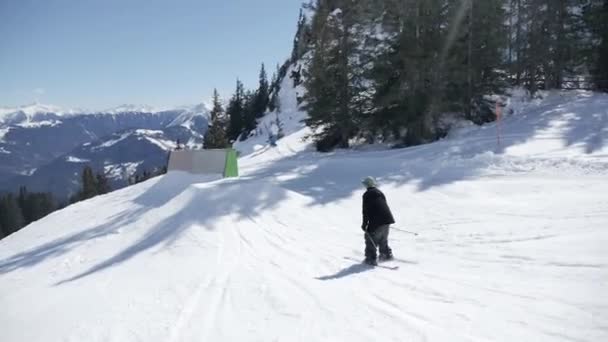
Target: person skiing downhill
{"x":377,"y":218}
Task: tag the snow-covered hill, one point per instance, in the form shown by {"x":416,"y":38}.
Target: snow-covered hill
{"x":511,"y":244}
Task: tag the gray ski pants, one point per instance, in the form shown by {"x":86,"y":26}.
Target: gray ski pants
{"x":380,"y":239}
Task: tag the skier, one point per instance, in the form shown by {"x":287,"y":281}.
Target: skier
{"x":377,"y":218}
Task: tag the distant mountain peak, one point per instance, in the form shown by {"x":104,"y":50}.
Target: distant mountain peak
{"x":31,"y":109}
{"x":34,"y":113}
{"x":133,"y":108}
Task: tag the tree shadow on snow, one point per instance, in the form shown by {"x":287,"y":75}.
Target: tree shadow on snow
{"x":58,"y":247}
{"x":570,"y":117}
{"x":201,"y":206}
{"x":156,"y":196}
{"x":577,"y":119}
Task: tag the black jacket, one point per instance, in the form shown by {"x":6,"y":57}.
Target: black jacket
{"x":375,"y":209}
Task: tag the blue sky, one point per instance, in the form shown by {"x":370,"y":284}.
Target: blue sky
{"x":102,"y":53}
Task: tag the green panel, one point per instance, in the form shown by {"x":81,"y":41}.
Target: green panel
{"x":232,"y":167}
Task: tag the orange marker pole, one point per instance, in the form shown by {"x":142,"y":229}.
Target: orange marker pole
{"x":498,"y":118}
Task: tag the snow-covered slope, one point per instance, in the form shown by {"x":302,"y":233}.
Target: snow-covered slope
{"x":511,"y":244}
{"x":287,"y":119}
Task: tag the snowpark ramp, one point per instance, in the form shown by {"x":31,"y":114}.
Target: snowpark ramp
{"x":216,"y":161}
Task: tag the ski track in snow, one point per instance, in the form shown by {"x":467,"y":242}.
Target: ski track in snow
{"x":511,"y":246}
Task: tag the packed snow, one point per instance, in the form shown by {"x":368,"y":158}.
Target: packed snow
{"x":511,"y":246}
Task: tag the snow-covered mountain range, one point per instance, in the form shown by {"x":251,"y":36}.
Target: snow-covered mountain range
{"x":44,"y":147}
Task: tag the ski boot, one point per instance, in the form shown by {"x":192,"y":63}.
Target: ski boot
{"x":370,"y":261}
{"x":386,"y":257}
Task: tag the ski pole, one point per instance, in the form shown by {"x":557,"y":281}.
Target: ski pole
{"x":405,"y":231}
{"x":370,"y":239}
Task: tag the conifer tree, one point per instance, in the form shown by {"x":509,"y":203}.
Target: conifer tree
{"x":216,"y":134}
{"x":235,"y":112}
{"x":89,"y":184}
{"x":249,"y":113}
{"x":600,"y":67}
{"x":102,"y":184}
{"x":272,"y":98}
{"x":410,"y":74}
{"x":11,"y":217}
{"x":330,"y":87}
{"x":596,"y":20}
{"x":549,"y":42}
{"x":302,"y":38}
{"x":39,"y":205}
{"x":262,"y":94}
{"x":275,"y":86}
{"x":22,"y":197}
{"x":474,"y":63}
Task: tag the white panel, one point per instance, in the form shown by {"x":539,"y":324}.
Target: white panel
{"x":181,"y":161}
{"x":209,"y":161}
{"x":198,"y":161}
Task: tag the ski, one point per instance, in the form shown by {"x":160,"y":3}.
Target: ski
{"x":379,"y":265}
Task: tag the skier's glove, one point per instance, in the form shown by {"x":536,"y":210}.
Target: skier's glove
{"x":364,"y":227}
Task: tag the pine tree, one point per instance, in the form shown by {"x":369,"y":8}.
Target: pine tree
{"x":11,"y":217}
{"x":272,"y":98}
{"x":475,"y":63}
{"x":102,"y":184}
{"x":89,"y":184}
{"x":549,"y":42}
{"x":40,"y":205}
{"x":22,"y":198}
{"x":516,"y":41}
{"x":600,"y":68}
{"x":3,"y":214}
{"x":48,"y":204}
{"x":279,"y":124}
{"x":330,"y":99}
{"x":596,"y":19}
{"x":249,"y":114}
{"x":262,"y":94}
{"x":216,"y":134}
{"x":302,"y":38}
{"x":410,"y":76}
{"x":235,"y":112}
{"x":275,"y":86}
{"x":22,"y":201}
